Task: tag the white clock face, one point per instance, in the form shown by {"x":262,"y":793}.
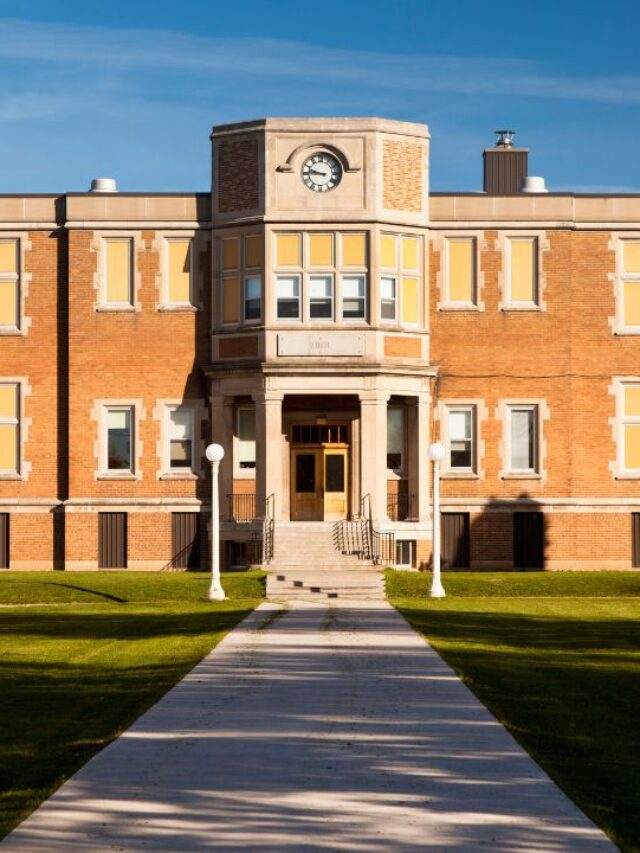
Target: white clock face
{"x":321,"y":172}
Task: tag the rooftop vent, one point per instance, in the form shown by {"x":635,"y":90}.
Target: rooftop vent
{"x":533,"y":184}
{"x":505,"y":138}
{"x":104,"y":185}
{"x":505,"y":167}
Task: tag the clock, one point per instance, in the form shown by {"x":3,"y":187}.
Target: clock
{"x":321,"y":172}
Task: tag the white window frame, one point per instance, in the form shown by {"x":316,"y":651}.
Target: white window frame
{"x":103,"y":303}
{"x":7,"y":473}
{"x":185,"y":472}
{"x":463,"y":304}
{"x":401,"y":471}
{"x":298,"y":277}
{"x":621,"y":277}
{"x":450,"y":408}
{"x":16,"y":279}
{"x":363,"y":278}
{"x":106,"y":473}
{"x":242,"y":473}
{"x":395,"y":278}
{"x":523,"y":472}
{"x":412,"y":552}
{"x":509,"y":303}
{"x":317,"y":276}
{"x":166,"y":302}
{"x":620,"y":471}
{"x":247,"y":277}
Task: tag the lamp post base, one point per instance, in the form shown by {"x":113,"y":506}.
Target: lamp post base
{"x":216,"y":593}
{"x":437,"y":590}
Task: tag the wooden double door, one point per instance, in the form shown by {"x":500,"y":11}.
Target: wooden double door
{"x":319,"y":483}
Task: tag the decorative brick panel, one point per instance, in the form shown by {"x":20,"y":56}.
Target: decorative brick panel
{"x":396,"y":346}
{"x":238,"y":174}
{"x":244,"y":347}
{"x":402,"y":176}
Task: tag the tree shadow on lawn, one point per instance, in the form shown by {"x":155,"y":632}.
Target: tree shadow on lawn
{"x":567,"y":688}
{"x":55,"y":716}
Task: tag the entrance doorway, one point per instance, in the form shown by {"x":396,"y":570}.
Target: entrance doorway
{"x":319,"y":474}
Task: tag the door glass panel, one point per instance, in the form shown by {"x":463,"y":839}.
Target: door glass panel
{"x":334,"y":473}
{"x":305,"y":472}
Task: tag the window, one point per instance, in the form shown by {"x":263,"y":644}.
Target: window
{"x":388,"y":297}
{"x":460,"y":430}
{"x":9,"y":285}
{"x":180,"y":439}
{"x":522,"y":271}
{"x":406,"y":552}
{"x":179,"y":254}
{"x":629,"y":452}
{"x":523,"y":438}
{"x":630,"y":287}
{"x":395,"y":439}
{"x":288,"y":297}
{"x":460,"y":273}
{"x":353,"y":297}
{"x":119,"y":445}
{"x":321,"y":297}
{"x":9,"y":429}
{"x":246,"y":437}
{"x":252,"y":297}
{"x":118,"y":290}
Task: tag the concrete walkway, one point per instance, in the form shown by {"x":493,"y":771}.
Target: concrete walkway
{"x":316,"y":729}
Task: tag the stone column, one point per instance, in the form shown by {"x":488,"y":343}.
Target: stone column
{"x":268,"y":451}
{"x":418,"y":438}
{"x":222,"y":433}
{"x":373,"y":451}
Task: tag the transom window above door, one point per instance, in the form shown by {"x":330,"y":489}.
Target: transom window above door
{"x":320,"y":434}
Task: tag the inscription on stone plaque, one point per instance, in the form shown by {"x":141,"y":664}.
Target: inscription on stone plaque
{"x":319,"y":344}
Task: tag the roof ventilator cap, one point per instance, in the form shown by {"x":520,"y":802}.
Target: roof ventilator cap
{"x":533,"y":184}
{"x":103,"y":185}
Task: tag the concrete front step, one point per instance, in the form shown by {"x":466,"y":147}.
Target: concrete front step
{"x":332,"y":584}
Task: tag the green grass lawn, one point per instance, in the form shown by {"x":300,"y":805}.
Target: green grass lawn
{"x":82,"y":655}
{"x":556,"y":658}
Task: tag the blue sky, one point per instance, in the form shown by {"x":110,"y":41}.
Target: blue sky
{"x":131,"y":89}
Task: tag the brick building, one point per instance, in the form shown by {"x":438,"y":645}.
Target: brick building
{"x":324,"y":317}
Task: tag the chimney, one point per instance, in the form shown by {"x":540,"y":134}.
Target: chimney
{"x":505,"y":167}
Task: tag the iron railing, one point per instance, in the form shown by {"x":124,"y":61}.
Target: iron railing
{"x":359,"y":536}
{"x":400,"y":506}
{"x":268,"y":530}
{"x":241,"y":507}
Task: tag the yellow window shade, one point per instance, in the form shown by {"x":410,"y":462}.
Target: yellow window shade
{"x":231,"y":253}
{"x":9,"y":256}
{"x":118,"y":270}
{"x":632,"y":303}
{"x":461,"y":271}
{"x":231,"y":300}
{"x":8,"y":447}
{"x":321,"y":250}
{"x":8,"y":401}
{"x":388,"y":251}
{"x":288,"y":250}
{"x":354,"y":250}
{"x":409,"y":300}
{"x":522,"y":280}
{"x":632,"y":447}
{"x":179,"y":270}
{"x":631,"y":257}
{"x":409,"y":253}
{"x":253,"y":250}
{"x":632,"y":400}
{"x":8,"y":303}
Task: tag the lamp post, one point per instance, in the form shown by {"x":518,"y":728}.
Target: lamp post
{"x":436,"y":455}
{"x":215,"y":454}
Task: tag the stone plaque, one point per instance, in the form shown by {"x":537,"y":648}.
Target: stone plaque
{"x":320,"y":344}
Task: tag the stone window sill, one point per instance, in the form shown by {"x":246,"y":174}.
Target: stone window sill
{"x":524,"y":475}
{"x":116,"y":309}
{"x":113,"y":475}
{"x":179,"y":475}
{"x":185,"y":308}
{"x":460,"y":475}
